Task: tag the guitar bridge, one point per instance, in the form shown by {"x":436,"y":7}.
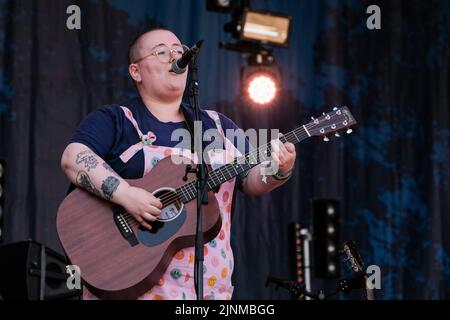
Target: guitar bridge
{"x":123,"y":226}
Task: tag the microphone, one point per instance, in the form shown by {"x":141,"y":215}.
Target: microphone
{"x":179,"y":66}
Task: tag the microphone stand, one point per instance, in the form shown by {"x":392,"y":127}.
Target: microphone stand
{"x":202,"y":176}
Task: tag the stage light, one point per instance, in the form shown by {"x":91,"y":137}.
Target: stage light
{"x":297,"y":252}
{"x":330,"y":210}
{"x":256,"y":32}
{"x":330,"y":229}
{"x":325,"y":218}
{"x":261,"y":80}
{"x":262,"y":89}
{"x":331,"y":248}
{"x":265,"y":27}
{"x":331,"y":268}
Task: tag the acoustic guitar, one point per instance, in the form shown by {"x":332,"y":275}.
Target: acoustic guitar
{"x":118,"y":259}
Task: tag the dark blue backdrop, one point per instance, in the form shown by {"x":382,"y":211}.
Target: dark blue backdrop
{"x":392,"y":175}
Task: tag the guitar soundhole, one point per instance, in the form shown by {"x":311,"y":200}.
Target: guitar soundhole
{"x":172,"y":206}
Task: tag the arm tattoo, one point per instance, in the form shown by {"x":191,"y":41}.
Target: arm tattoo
{"x":109,"y":185}
{"x":108,"y":167}
{"x":84,"y":182}
{"x":88,"y":158}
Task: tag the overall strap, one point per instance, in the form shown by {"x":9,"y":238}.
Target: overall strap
{"x":145,"y":139}
{"x":130,"y":117}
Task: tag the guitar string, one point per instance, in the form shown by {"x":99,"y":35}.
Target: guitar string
{"x":250,"y":154}
{"x":168,"y":199}
{"x":173,"y":198}
{"x":256,"y":152}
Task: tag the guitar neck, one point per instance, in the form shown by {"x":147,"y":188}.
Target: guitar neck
{"x":338,"y":119}
{"x":240,"y":165}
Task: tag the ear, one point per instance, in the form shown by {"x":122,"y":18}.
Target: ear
{"x":133,"y":69}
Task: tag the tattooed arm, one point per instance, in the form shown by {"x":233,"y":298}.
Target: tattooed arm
{"x":88,"y":171}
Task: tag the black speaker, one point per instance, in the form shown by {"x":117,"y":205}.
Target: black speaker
{"x":31,"y":271}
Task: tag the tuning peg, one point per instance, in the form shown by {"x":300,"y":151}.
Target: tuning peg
{"x":312,"y":118}
{"x":349,"y":131}
{"x":337,"y":135}
{"x":335,"y":108}
{"x":326,"y":139}
{"x":323,"y":113}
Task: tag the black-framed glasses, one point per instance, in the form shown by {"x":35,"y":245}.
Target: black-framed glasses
{"x":165,"y":54}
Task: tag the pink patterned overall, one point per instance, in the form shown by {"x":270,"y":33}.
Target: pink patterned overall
{"x":178,"y":280}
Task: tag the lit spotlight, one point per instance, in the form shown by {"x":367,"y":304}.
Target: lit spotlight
{"x":262,"y":89}
{"x":331,"y":268}
{"x":330,"y":210}
{"x":330,"y":229}
{"x":326,"y":221}
{"x":261,"y":79}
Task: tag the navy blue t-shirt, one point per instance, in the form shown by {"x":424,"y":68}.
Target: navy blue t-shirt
{"x":108,"y":133}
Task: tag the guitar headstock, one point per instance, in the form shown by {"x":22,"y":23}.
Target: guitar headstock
{"x":353,"y":256}
{"x":332,"y":122}
{"x":357,"y":267}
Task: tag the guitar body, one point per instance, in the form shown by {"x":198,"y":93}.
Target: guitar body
{"x":114,"y":266}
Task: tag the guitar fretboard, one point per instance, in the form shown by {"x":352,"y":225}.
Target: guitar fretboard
{"x":240,"y":165}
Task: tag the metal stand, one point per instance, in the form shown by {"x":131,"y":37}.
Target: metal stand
{"x":202,"y":176}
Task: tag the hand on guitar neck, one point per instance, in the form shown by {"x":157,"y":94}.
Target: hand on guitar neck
{"x":260,"y":179}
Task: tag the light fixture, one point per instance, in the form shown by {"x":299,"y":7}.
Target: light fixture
{"x":256,"y":32}
{"x":330,"y":210}
{"x":265,"y":27}
{"x":261,"y":79}
{"x":331,"y":268}
{"x":330,"y":229}
{"x":261,"y":89}
{"x":297,"y":253}
{"x":326,"y":226}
